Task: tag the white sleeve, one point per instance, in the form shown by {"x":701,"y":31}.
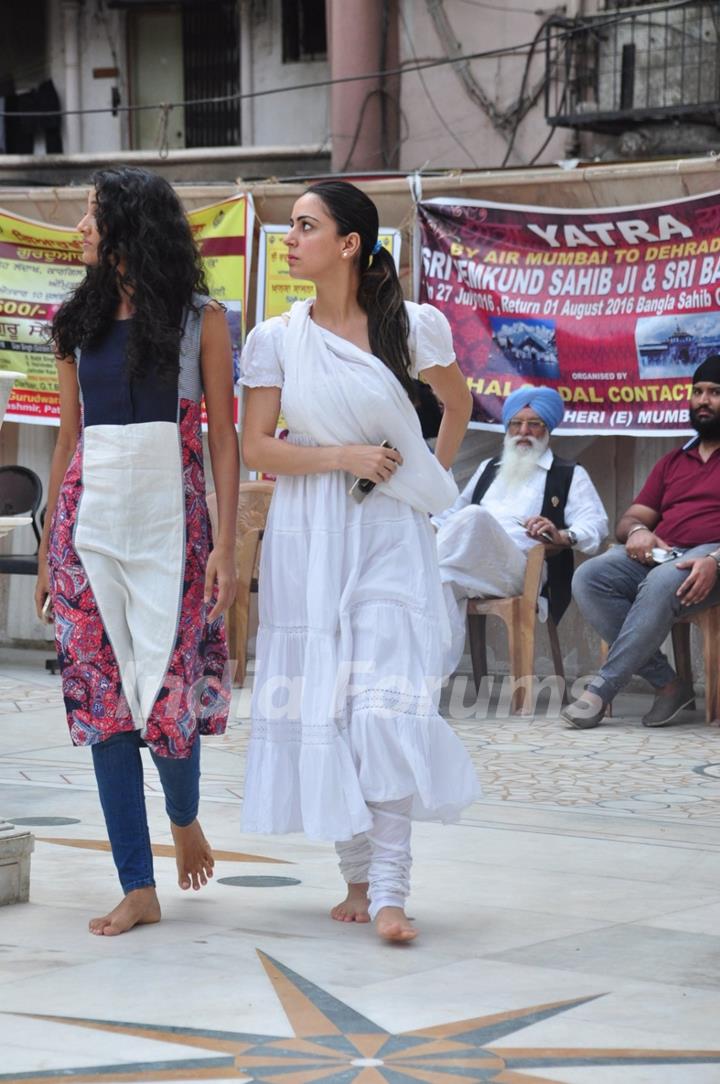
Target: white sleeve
{"x":430,"y":338}
{"x":261,"y":362}
{"x":463,"y":500}
{"x":585,"y":515}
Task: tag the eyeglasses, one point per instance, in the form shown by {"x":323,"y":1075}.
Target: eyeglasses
{"x":533,"y":424}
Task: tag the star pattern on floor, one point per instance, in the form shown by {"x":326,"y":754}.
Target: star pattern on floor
{"x":337,"y":1045}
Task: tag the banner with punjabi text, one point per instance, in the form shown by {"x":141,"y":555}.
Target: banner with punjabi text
{"x":276,"y":290}
{"x":41,"y":264}
{"x":614,"y":307}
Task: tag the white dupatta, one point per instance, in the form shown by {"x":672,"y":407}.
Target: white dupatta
{"x":337,"y":393}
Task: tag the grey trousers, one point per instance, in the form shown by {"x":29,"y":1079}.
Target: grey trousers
{"x":633,"y":607}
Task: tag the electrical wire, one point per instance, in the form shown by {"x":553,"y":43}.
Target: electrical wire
{"x":499,"y":7}
{"x":552,"y":131}
{"x":241,"y":97}
{"x":486,"y":54}
{"x":526,"y":74}
{"x":270,"y":91}
{"x":560,"y":21}
{"x":384,"y":98}
{"x":546,"y":141}
{"x":429,"y":96}
{"x":358,"y":127}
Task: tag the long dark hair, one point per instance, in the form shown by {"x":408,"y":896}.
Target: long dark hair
{"x":141,"y":223}
{"x":379,"y":293}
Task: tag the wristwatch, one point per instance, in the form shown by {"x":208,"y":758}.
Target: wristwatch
{"x":571,"y":537}
{"x":716,"y":559}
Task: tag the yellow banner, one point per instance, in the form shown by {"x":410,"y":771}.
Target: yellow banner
{"x":41,"y":264}
{"x":276,"y":290}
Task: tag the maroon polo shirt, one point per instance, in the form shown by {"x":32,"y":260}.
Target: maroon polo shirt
{"x":686,"y":494}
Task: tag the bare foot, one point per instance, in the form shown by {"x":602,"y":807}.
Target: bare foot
{"x":193,"y":855}
{"x":392,"y":924}
{"x":354,"y":908}
{"x":139,"y":908}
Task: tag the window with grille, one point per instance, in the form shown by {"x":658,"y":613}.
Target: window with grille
{"x":649,"y":62}
{"x":185,"y":52}
{"x":211,"y":69}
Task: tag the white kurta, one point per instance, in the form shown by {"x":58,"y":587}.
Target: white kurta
{"x":353,"y":626}
{"x":483,"y":548}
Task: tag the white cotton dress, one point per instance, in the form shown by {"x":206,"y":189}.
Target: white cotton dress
{"x":353,"y":624}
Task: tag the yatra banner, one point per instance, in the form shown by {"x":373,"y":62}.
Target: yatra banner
{"x":615,"y":307}
{"x":40,"y":265}
{"x":276,"y":290}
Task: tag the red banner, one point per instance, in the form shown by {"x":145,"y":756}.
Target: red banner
{"x":615,"y":308}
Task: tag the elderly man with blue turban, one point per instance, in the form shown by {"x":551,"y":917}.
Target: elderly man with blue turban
{"x":513,"y":501}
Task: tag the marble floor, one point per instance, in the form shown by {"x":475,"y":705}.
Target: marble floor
{"x":569,"y":925}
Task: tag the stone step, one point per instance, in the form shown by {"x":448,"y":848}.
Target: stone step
{"x":16,"y":846}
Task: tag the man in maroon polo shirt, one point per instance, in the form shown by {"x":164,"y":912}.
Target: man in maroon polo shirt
{"x":632,"y":593}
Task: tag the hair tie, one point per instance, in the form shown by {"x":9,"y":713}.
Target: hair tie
{"x":376,"y":247}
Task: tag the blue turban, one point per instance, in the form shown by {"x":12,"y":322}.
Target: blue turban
{"x":546,"y":402}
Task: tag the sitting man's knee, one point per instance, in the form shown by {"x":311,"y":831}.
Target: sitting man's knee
{"x":660,"y":585}
{"x":469,"y":521}
{"x":587,"y":574}
{"x":474,"y":512}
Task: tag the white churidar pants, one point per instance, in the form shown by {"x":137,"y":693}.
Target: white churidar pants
{"x":381,"y":856}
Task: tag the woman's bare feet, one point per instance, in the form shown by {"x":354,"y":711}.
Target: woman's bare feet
{"x":392,"y":924}
{"x":354,"y":908}
{"x":193,"y":855}
{"x":139,"y":908}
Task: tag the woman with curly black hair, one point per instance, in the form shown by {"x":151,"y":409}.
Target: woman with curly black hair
{"x":136,"y":591}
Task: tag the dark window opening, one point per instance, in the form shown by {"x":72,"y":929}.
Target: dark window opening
{"x":24,"y":83}
{"x":627,"y":76}
{"x":211,"y":69}
{"x":304,"y":34}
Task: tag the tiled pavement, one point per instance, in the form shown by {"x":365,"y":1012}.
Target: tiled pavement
{"x":569,"y":924}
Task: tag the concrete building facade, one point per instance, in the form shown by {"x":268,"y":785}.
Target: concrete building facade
{"x":378,"y":85}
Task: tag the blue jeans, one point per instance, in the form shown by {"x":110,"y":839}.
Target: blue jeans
{"x":119,"y":773}
{"x":633,"y":607}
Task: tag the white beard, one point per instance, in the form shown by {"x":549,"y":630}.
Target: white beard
{"x":518,"y":461}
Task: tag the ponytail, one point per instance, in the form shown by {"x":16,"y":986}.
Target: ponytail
{"x":379,"y":293}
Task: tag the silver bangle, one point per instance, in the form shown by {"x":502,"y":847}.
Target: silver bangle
{"x":637,"y":527}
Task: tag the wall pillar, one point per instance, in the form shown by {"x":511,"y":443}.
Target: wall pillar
{"x":363,"y":38}
{"x":72,"y":142}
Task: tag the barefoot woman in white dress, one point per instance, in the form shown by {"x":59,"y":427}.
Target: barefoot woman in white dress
{"x":347,"y":744}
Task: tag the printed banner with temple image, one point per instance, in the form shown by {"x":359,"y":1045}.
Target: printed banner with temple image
{"x":613,"y":307}
{"x":41,"y":264}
